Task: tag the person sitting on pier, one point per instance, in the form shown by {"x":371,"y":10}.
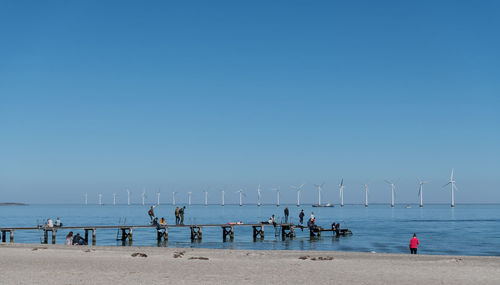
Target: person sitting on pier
{"x":313,"y":219}
{"x":177,"y":218}
{"x":272,"y":220}
{"x":151,"y":213}
{"x":155,"y":221}
{"x":162,"y":221}
{"x":69,"y":238}
{"x":58,"y":222}
{"x":337,"y":229}
{"x":49,"y":223}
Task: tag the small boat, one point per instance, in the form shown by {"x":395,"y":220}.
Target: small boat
{"x":325,"y":205}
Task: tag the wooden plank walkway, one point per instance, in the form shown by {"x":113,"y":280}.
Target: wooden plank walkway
{"x":287,"y":230}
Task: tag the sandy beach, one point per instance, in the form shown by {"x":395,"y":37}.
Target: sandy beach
{"x":37,"y":264}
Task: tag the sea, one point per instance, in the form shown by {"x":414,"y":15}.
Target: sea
{"x":467,"y":229}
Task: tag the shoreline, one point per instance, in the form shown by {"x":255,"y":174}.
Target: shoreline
{"x":30,"y":263}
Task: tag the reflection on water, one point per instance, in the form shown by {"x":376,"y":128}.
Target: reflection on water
{"x":464,"y":230}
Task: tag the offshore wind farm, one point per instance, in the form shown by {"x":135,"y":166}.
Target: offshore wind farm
{"x":256,"y":142}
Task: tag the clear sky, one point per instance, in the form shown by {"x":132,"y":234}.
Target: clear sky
{"x":100,"y":96}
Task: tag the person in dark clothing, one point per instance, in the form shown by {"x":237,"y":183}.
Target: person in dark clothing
{"x":286,"y":214}
{"x":78,"y":240}
{"x":151,"y":213}
{"x":181,"y":213}
{"x":301,"y":216}
{"x":177,"y":218}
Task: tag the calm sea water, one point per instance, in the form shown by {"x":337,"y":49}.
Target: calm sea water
{"x":464,"y":230}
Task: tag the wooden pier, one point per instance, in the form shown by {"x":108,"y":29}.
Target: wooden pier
{"x":228,"y":230}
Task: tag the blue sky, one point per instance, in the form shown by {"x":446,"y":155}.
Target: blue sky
{"x":179,"y":96}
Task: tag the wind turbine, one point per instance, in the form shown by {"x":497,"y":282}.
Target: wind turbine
{"x":453,"y":188}
{"x":366,"y":193}
{"x":241,"y":194}
{"x":258,"y":195}
{"x":128,"y":197}
{"x":86,"y":199}
{"x":100,"y":199}
{"x":298,"y":192}
{"x":206,"y":197}
{"x":189,"y":198}
{"x":393,"y":187}
{"x":222,"y":201}
{"x":158,"y":198}
{"x":341,"y":190}
{"x":277,"y":196}
{"x":143,"y":196}
{"x":420,"y":191}
{"x":320,"y":187}
{"x":173,"y":198}
{"x":114,"y":199}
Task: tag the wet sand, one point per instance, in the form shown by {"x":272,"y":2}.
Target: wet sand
{"x":58,"y":264}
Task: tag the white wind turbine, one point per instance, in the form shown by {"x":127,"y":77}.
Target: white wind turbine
{"x":222,"y":201}
{"x":393,"y":188}
{"x":366,"y":193}
{"x":206,"y":197}
{"x":277,"y":196}
{"x":86,"y":198}
{"x":453,"y":188}
{"x":100,"y":199}
{"x":319,"y":187}
{"x":158,"y":198}
{"x":420,"y":191}
{"x":128,"y":197}
{"x":189,"y":198}
{"x":241,"y":194}
{"x":173,"y":198}
{"x":143,"y":196}
{"x":341,"y":190}
{"x":298,"y":192}
{"x":259,"y":195}
{"x":114,"y":199}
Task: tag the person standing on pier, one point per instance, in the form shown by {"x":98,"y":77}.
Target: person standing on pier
{"x":286,"y":214}
{"x":181,"y":212}
{"x":313,"y":219}
{"x":151,"y":213}
{"x":414,"y":244}
{"x":177,"y":219}
{"x":301,"y":216}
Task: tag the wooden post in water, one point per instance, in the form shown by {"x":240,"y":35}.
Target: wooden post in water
{"x":45,"y":236}
{"x":3,"y":235}
{"x":11,"y":235}
{"x":93,"y":236}
{"x":54,"y":236}
{"x":227,"y":231}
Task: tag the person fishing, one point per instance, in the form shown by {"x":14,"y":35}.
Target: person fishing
{"x":177,"y":218}
{"x":181,"y":213}
{"x":414,"y":244}
{"x":151,"y":213}
{"x":286,"y":212}
{"x":301,"y":217}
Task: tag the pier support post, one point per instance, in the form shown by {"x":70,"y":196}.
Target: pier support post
{"x":87,"y":235}
{"x":195,"y":233}
{"x":258,"y":231}
{"x":11,"y":235}
{"x":227,"y":231}
{"x":3,"y":235}
{"x":93,"y":236}
{"x":287,"y":231}
{"x":162,"y":233}
{"x":54,"y":236}
{"x":45,"y":236}
{"x":126,"y":235}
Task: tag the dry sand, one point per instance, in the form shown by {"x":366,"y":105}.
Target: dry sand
{"x":58,"y":264}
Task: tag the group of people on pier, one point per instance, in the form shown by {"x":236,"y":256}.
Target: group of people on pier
{"x":179,"y":216}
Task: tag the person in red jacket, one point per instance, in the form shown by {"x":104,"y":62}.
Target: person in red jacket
{"x":414,"y":244}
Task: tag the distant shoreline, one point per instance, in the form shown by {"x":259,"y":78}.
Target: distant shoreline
{"x":13,"y":204}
